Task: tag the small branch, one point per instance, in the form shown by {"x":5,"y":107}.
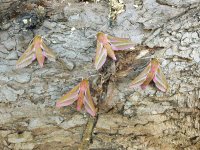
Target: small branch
{"x":87,"y":135}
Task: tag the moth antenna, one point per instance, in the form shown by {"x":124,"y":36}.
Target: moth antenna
{"x":152,"y":58}
{"x":31,"y":40}
{"x":99,"y":30}
{"x":142,"y":53}
{"x":90,"y":36}
{"x":161,"y":59}
{"x":92,"y":75}
{"x":75,"y":79}
{"x":44,"y":37}
{"x":147,"y":58}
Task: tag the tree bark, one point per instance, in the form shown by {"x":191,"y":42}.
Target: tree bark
{"x":127,"y":118}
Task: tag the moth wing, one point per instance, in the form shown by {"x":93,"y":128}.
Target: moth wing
{"x":88,"y":103}
{"x":68,"y":98}
{"x":48,"y":53}
{"x":110,"y":51}
{"x":160,"y":80}
{"x":39,"y":55}
{"x":139,"y":80}
{"x":101,"y":55}
{"x":120,"y":43}
{"x":27,"y":57}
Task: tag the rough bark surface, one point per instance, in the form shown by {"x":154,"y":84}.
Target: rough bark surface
{"x":128,"y":118}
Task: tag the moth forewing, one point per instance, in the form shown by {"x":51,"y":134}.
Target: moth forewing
{"x":160,"y":80}
{"x":121,"y":46}
{"x":88,"y":108}
{"x":116,"y":39}
{"x":98,"y":50}
{"x":25,"y":62}
{"x":26,"y":58}
{"x":66,"y":103}
{"x":88,"y":103}
{"x":120,"y":43}
{"x":110,"y":51}
{"x":140,"y":79}
{"x":48,"y":52}
{"x":101,"y":55}
{"x":68,"y":98}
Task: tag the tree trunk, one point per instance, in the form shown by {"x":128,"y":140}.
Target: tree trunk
{"x":127,"y":118}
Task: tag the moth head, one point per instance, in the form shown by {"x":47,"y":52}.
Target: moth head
{"x":37,"y":39}
{"x":99,"y":34}
{"x":101,"y":37}
{"x":84,"y":84}
{"x":156,"y":60}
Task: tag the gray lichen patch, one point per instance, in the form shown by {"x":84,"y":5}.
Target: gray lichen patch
{"x":20,"y":138}
{"x":9,"y":95}
{"x":130,"y":118}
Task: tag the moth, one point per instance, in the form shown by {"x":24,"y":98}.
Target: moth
{"x":81,"y":94}
{"x":151,"y":72}
{"x":36,"y":50}
{"x":106,"y":45}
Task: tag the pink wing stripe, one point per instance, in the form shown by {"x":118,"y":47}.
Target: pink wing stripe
{"x":72,"y":96}
{"x":44,"y":53}
{"x":143,"y":87}
{"x":120,"y":43}
{"x":26,"y":61}
{"x":139,"y":80}
{"x":121,"y":47}
{"x":34,"y":57}
{"x":158,"y":85}
{"x":68,"y":98}
{"x":116,"y":40}
{"x":87,"y":107}
{"x":65,"y":103}
{"x":102,"y":59}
